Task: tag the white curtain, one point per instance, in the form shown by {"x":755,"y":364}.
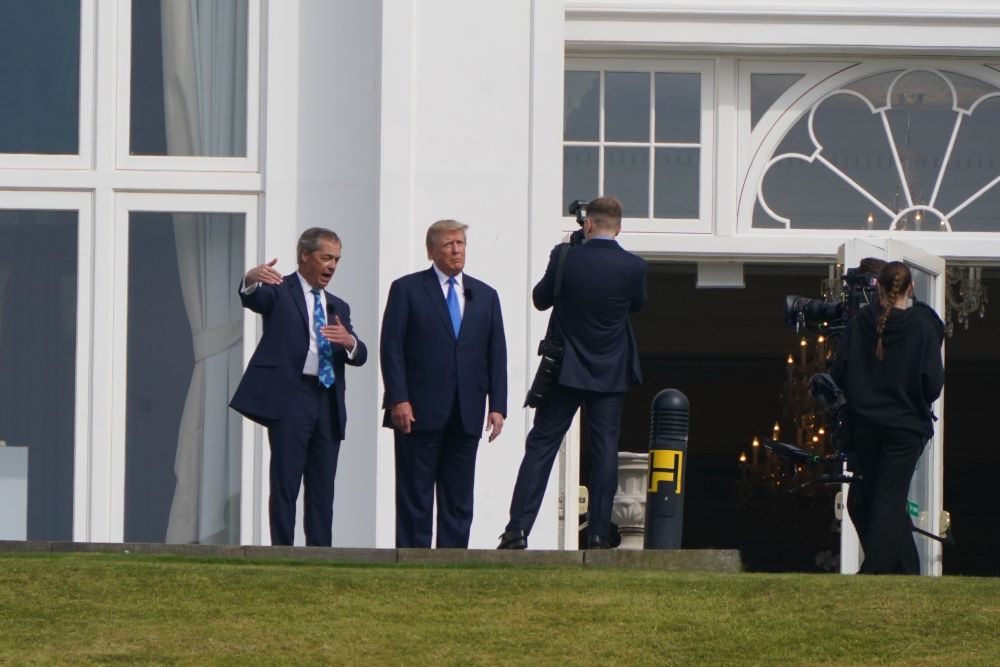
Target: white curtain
{"x":204,"y":82}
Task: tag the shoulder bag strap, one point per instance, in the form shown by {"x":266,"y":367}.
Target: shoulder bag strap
{"x":560,"y":267}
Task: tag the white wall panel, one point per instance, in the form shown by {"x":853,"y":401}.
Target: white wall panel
{"x":472,"y":103}
{"x":456,"y":143}
{"x":337,"y":187}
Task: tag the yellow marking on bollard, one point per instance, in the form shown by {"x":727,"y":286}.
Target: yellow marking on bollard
{"x":665,"y":466}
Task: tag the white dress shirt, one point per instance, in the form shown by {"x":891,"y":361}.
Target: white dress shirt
{"x":459,"y":289}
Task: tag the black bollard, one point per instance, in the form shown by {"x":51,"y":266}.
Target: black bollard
{"x":668,"y":437}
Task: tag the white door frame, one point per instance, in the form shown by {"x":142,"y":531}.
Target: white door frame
{"x":107,"y":522}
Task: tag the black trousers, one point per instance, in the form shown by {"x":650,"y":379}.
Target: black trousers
{"x":552,"y":420}
{"x":886,"y":460}
{"x":437,"y":464}
{"x":303,"y":447}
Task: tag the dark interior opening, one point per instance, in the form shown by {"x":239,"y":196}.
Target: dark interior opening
{"x":726,"y":350}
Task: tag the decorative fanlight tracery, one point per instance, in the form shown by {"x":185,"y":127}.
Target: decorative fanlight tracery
{"x":910,"y":199}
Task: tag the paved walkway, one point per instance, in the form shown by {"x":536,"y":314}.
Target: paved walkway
{"x":705,"y":560}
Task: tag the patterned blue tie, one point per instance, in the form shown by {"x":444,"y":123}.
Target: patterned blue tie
{"x":453,"y":308}
{"x":322,"y":344}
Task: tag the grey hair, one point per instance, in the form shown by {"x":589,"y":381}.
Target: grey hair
{"x":442,"y":226}
{"x":310,"y":240}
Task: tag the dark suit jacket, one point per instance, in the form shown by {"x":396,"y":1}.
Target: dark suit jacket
{"x":276,"y":364}
{"x":601,"y":284}
{"x":424,"y":364}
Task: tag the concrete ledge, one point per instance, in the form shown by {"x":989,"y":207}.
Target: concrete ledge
{"x":94,"y":547}
{"x":30,"y":545}
{"x":489,"y":557}
{"x":327,"y":554}
{"x":688,"y":560}
{"x":201,"y":550}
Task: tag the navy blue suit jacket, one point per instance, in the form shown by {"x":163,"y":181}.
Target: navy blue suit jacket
{"x":276,"y":365}
{"x":423,"y":362}
{"x":601,"y":284}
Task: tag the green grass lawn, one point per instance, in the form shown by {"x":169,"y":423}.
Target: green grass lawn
{"x":101,"y":608}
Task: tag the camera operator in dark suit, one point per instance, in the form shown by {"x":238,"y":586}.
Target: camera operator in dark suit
{"x":600,"y":285}
{"x":889,"y":366}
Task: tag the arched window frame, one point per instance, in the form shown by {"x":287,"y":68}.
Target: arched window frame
{"x":820,"y":80}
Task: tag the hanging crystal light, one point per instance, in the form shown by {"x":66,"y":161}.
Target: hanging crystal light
{"x":965,"y":295}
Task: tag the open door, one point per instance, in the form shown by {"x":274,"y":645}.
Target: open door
{"x":926,"y":498}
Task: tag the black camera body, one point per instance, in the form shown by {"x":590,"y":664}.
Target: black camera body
{"x":579,"y":209}
{"x":860,"y":290}
{"x":857,"y":290}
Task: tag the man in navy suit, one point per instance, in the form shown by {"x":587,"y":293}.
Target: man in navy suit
{"x":601,"y":284}
{"x":443,"y":354}
{"x":294,"y":384}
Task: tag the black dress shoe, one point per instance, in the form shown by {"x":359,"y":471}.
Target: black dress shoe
{"x":598,"y":542}
{"x":513,"y":539}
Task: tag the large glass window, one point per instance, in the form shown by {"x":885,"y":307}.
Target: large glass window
{"x":113,"y":393}
{"x":185,"y":325}
{"x":38,"y":290}
{"x":901,"y":150}
{"x":189,"y":78}
{"x":637,"y":134}
{"x":39,"y":76}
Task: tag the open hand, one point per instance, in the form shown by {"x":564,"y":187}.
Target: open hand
{"x":264,"y":273}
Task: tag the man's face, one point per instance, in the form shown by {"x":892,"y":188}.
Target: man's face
{"x":447,"y":251}
{"x":317,"y":267}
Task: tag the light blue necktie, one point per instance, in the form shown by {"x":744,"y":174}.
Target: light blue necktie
{"x":322,"y":344}
{"x":453,"y":308}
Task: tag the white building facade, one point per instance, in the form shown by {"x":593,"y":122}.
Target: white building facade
{"x":151,"y":152}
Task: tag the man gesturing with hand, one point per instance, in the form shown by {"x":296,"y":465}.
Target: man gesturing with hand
{"x":294,"y":384}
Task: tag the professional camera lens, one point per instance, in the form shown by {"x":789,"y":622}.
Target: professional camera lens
{"x":810,"y":312}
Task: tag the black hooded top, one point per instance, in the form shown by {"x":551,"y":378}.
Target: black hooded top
{"x":896,"y":392}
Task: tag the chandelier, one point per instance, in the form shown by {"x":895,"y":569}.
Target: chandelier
{"x":965,"y":295}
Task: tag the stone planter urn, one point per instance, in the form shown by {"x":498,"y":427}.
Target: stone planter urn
{"x":629,"y":509}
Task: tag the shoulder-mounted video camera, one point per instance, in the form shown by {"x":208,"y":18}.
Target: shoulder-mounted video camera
{"x":857,"y":290}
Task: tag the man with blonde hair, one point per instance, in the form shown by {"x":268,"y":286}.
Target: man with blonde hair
{"x":443,"y":355}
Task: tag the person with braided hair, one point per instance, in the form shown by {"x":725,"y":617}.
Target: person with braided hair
{"x":889,"y":366}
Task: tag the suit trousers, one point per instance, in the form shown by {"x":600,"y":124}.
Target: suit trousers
{"x":552,"y":421}
{"x":303,"y":446}
{"x":886,"y":460}
{"x":442,"y":464}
